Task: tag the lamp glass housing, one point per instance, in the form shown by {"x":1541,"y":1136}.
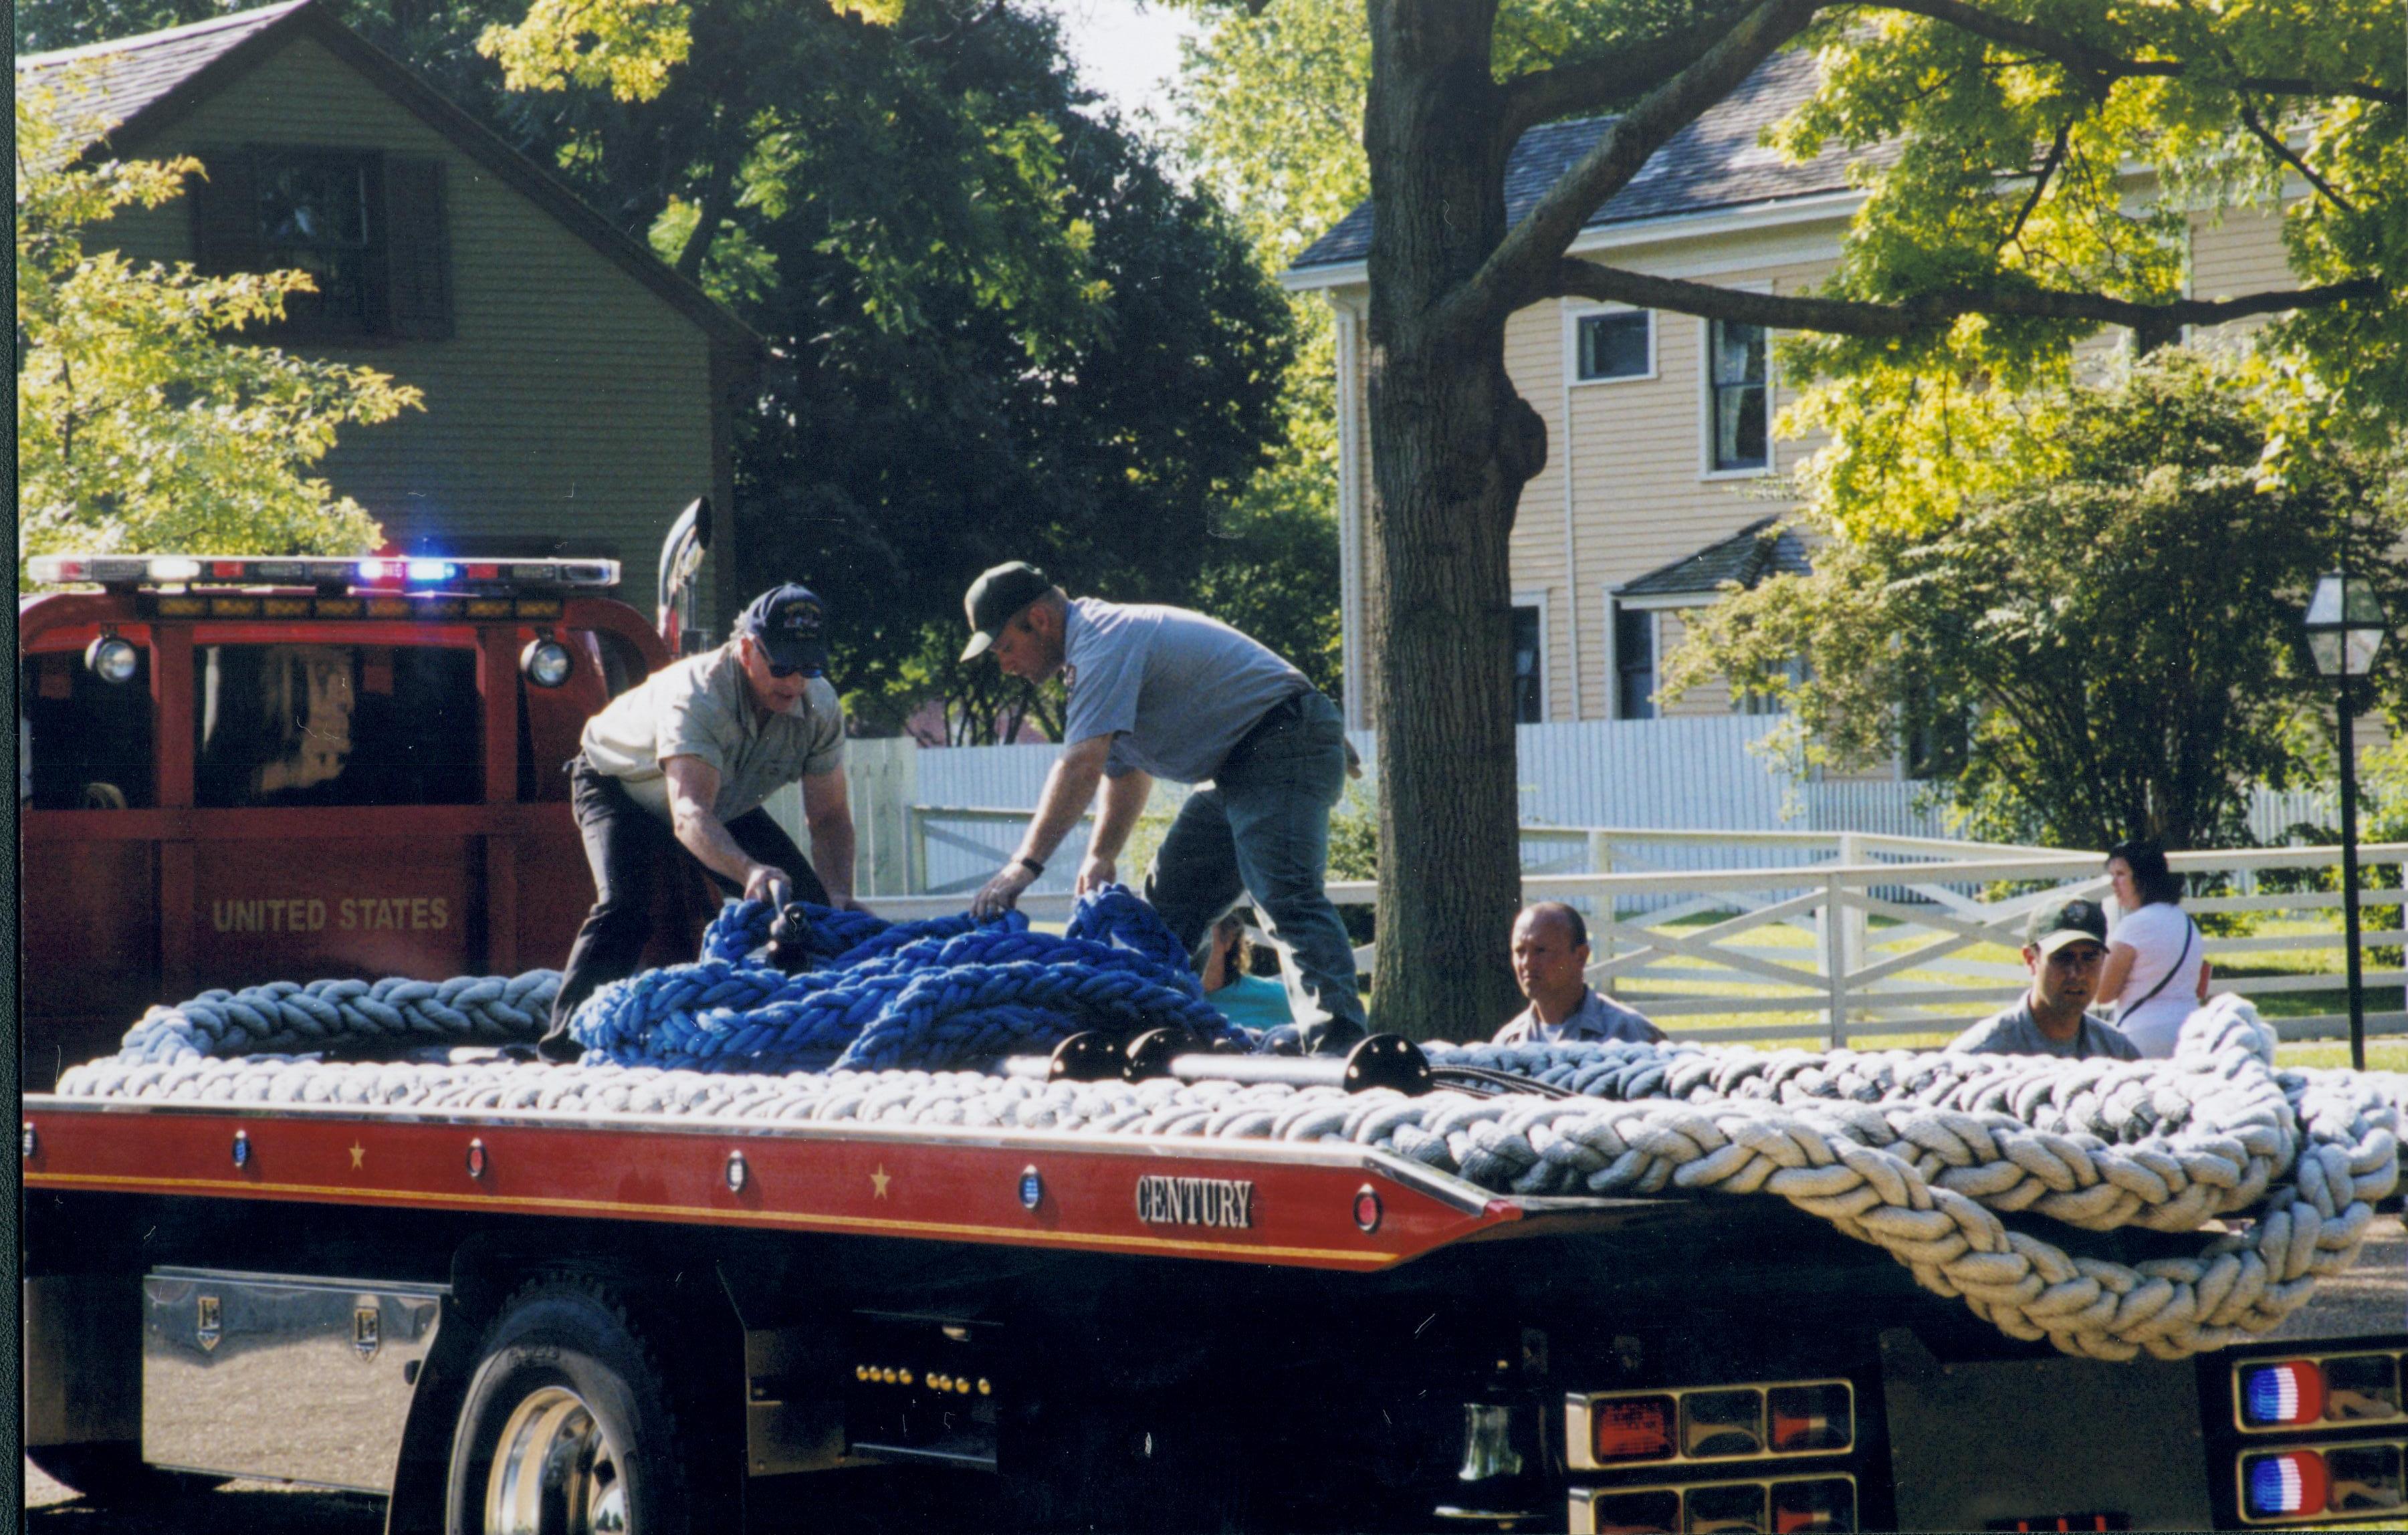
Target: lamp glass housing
{"x":2345,"y":625}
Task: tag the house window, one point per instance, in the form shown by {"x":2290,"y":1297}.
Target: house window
{"x":314,"y":215}
{"x":1616,"y":345}
{"x":370,"y":230}
{"x":1634,"y":664}
{"x":1736,"y":400}
{"x":1529,"y":666}
{"x":1763,"y":701}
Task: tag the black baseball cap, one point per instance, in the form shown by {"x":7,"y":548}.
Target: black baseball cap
{"x":995,"y":596}
{"x":2059,"y":923}
{"x":789,"y":622}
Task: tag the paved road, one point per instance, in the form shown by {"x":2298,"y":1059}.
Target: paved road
{"x":2372,"y":1297}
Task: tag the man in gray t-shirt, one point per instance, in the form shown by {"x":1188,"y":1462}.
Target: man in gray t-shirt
{"x":673,"y":772}
{"x":2065,"y":945}
{"x":1162,"y":692}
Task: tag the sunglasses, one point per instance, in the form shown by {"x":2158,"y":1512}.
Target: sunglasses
{"x":782,"y":673}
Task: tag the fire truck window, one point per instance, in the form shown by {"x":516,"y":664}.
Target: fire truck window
{"x":88,"y":740}
{"x":337,"y":725}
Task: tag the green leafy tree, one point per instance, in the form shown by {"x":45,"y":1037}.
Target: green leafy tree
{"x":1961,"y":106}
{"x":2110,"y":622}
{"x":141,"y":424}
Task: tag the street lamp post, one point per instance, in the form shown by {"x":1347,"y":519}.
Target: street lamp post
{"x":2345,"y":628}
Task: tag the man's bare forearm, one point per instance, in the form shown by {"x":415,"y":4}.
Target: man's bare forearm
{"x":706,"y":837}
{"x":832,"y":855}
{"x":1068,"y":788}
{"x":1124,"y":800}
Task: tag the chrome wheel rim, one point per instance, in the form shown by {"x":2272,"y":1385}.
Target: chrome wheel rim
{"x":555,"y":1471}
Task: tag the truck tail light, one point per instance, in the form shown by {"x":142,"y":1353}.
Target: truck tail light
{"x":1710,"y":1423}
{"x":1811,"y":1419}
{"x":2291,"y":1482}
{"x":1824,"y":1503}
{"x":1631,"y":1429}
{"x":2282,"y":1395}
{"x":1809,"y":1506}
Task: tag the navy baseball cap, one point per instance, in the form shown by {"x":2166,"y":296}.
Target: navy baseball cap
{"x":789,"y":622}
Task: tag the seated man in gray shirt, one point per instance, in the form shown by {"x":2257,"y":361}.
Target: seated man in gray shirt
{"x":2065,"y":944}
{"x":1551,"y":962}
{"x":1169,"y":692}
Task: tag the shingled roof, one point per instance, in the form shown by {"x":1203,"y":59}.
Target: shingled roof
{"x":1716,"y":161}
{"x":1761,"y":549}
{"x":144,"y":84}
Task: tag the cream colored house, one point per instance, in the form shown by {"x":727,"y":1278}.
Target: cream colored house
{"x":1661,"y":464}
{"x":578,"y":393}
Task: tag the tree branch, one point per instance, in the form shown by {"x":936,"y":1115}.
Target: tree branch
{"x":1596,"y":85}
{"x":2283,"y":151}
{"x":1576,"y":278}
{"x":2040,"y":181}
{"x":2102,"y":68}
{"x":1519,"y":270}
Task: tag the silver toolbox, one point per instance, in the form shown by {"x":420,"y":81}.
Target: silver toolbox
{"x":295,"y":1379}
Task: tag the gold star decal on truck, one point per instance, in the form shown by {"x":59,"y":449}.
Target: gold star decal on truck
{"x":879,"y":1180}
{"x":358,"y":1152}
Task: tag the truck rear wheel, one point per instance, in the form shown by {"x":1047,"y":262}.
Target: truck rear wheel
{"x":566,"y":1428}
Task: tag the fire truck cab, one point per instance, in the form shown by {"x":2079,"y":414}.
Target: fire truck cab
{"x":236,"y":770}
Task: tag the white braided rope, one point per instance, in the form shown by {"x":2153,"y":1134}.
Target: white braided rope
{"x":1918,"y":1154}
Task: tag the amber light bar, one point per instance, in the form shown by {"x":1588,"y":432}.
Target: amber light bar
{"x":1709,"y":1422}
{"x":148,"y":572}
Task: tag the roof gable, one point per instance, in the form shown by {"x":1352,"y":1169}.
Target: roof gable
{"x":146,"y":83}
{"x":1716,"y":161}
{"x":1761,"y":549}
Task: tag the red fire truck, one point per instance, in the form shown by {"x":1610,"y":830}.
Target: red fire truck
{"x":528,"y":1320}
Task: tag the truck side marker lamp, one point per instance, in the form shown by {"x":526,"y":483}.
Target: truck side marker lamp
{"x":1797,"y":1507}
{"x":477,"y":1158}
{"x":112,"y":659}
{"x":2320,"y":1483}
{"x":1367,"y":1209}
{"x":1032,"y":1188}
{"x":2274,"y":1396}
{"x":242,"y":1148}
{"x":737,"y":1173}
{"x":1710,"y":1423}
{"x":30,"y":1144}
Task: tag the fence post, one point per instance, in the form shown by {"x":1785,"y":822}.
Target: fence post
{"x":915,"y":873}
{"x":1852,"y":923}
{"x":1600,"y":861}
{"x":1835,"y":959}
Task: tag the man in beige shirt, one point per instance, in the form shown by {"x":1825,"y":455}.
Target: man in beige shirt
{"x":677,"y":768}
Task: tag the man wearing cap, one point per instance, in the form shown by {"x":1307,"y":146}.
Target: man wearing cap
{"x":1162,"y":692}
{"x":2065,"y":943}
{"x":677,"y":767}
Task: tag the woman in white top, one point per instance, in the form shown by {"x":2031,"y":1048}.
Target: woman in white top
{"x":2156,"y":967}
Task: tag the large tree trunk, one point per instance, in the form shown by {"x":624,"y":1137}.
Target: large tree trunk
{"x":1452,"y":445}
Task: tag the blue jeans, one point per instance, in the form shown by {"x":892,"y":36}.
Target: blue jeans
{"x":1261,"y":833}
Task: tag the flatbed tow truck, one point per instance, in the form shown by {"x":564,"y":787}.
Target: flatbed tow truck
{"x":529,"y":1320}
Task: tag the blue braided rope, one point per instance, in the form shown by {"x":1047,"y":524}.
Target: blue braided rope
{"x":924,"y":994}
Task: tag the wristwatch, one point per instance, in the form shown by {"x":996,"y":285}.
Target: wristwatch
{"x":1036,"y":869}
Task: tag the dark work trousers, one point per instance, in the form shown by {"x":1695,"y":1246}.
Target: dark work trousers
{"x":628,"y":849}
{"x":1260,"y":831}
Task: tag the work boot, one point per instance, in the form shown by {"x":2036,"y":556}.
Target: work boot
{"x":559,"y":1049}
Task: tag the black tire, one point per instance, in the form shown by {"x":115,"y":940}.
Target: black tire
{"x":112,"y":1474}
{"x":562,"y":1370}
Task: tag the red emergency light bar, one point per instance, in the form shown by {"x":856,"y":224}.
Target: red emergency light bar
{"x":378,"y":573}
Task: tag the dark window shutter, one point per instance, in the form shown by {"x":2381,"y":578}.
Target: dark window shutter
{"x":418,"y":250}
{"x":225,"y":214}
{"x":375,"y":276}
